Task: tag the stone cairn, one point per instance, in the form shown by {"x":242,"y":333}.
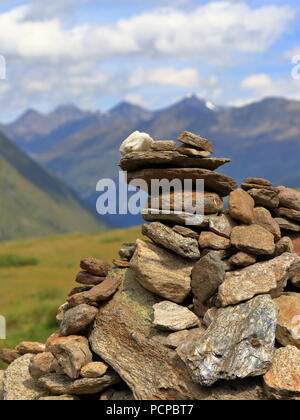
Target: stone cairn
{"x":208,"y":312}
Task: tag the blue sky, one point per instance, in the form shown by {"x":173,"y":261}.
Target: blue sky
{"x":95,"y":53}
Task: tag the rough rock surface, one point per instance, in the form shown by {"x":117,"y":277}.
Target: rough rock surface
{"x":28,"y":347}
{"x":18,"y":384}
{"x":266,"y":277}
{"x":287,"y":224}
{"x":77,"y":319}
{"x":127,"y":251}
{"x":97,"y":294}
{"x":285,"y":244}
{"x":282,"y":381}
{"x":162,"y":272}
{"x":207,"y":275}
{"x":214,"y":181}
{"x":263,"y":217}
{"x":199,"y":142}
{"x":258,"y":181}
{"x":122,"y":337}
{"x":60,"y":398}
{"x":189,"y":151}
{"x":213,"y":241}
{"x":264,"y":197}
{"x":62,"y":385}
{"x":222,"y":225}
{"x":136,"y":142}
{"x":242,"y":259}
{"x":181,"y":218}
{"x":94,"y":370}
{"x":289,"y":213}
{"x":288,"y":325}
{"x":187,"y":201}
{"x":95,"y":266}
{"x":227,"y":352}
{"x":166,"y":237}
{"x":42,"y":364}
{"x":241,"y":206}
{"x":163,"y":145}
{"x":168,"y":316}
{"x":8,"y":356}
{"x":88,"y":279}
{"x":71,"y":353}
{"x":253,"y":239}
{"x":289,"y":198}
{"x":143,"y":160}
{"x":186,"y":232}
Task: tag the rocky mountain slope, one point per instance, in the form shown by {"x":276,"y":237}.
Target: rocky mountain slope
{"x":35,"y":202}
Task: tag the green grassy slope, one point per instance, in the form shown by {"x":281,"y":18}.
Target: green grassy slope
{"x":34,"y":202}
{"x":31,"y":294}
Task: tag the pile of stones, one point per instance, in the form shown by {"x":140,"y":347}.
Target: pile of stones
{"x":209,"y":311}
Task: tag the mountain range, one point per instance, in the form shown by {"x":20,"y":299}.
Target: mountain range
{"x":81,"y":147}
{"x":35,"y":202}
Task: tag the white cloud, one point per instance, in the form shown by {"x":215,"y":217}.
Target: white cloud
{"x":257,"y":81}
{"x":168,"y":76}
{"x":215,"y":31}
{"x":263,"y":85}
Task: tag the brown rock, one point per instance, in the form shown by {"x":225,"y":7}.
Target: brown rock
{"x":62,"y":385}
{"x":209,"y":316}
{"x":199,"y":142}
{"x":184,"y":218}
{"x":122,"y":338}
{"x":266,"y":277}
{"x":95,"y":266}
{"x":222,"y":225}
{"x":249,"y":389}
{"x":288,"y":324}
{"x":289,"y":213}
{"x":295,"y":238}
{"x":253,"y":239}
{"x":127,"y":251}
{"x":287,"y":224}
{"x":77,"y":290}
{"x":162,"y":272}
{"x":61,"y":311}
{"x":42,"y":364}
{"x":121,"y":263}
{"x":242,"y":259}
{"x":263,"y":217}
{"x":187,"y":201}
{"x":247,"y":187}
{"x":94,"y":370}
{"x":214,"y":181}
{"x":282,"y":382}
{"x":189,"y":151}
{"x":77,"y":319}
{"x":27,"y":347}
{"x":207,"y":275}
{"x":88,"y":279}
{"x":258,"y":181}
{"x":264,"y":197}
{"x":163,"y":145}
{"x":114,"y":395}
{"x":167,"y":238}
{"x":285,"y":244}
{"x":213,"y":241}
{"x":71,"y":353}
{"x":8,"y":356}
{"x":146,"y":160}
{"x":169,"y":316}
{"x":175,"y":339}
{"x":224,"y":254}
{"x":98,"y":293}
{"x":241,"y":206}
{"x":289,"y":198}
{"x":186,"y":232}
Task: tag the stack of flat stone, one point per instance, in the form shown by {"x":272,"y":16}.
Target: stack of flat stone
{"x":203,"y":312}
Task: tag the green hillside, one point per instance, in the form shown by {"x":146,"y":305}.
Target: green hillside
{"x":32,"y":290}
{"x":34,"y":202}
